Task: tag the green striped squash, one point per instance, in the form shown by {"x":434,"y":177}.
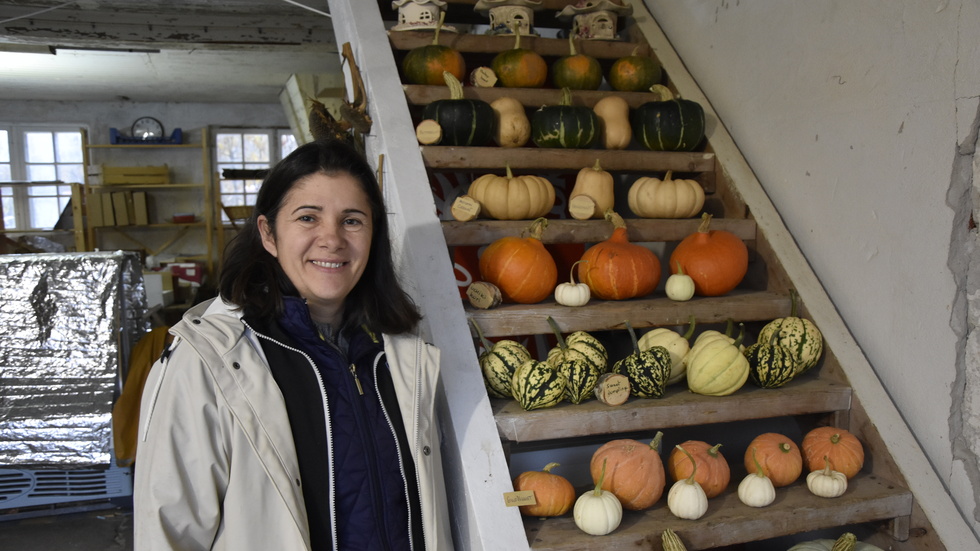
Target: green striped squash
{"x":498,"y":362}
{"x":798,"y":334}
{"x":581,"y":358}
{"x":537,"y":385}
{"x":583,"y":345}
{"x":564,"y":125}
{"x":771,"y":365}
{"x":668,"y":124}
{"x":464,"y":122}
{"x":647,"y":370}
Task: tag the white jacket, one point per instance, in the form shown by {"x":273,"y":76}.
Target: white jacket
{"x":216,"y":467}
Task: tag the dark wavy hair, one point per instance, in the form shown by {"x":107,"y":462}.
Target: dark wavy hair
{"x":252,"y":279}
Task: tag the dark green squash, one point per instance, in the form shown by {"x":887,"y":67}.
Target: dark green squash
{"x":425,"y":64}
{"x":581,"y":358}
{"x":647,"y":370}
{"x":538,"y":385}
{"x":564,"y":125}
{"x":668,"y":124}
{"x":576,"y":71}
{"x":464,"y":122}
{"x":634,"y":73}
{"x":498,"y":362}
{"x":771,"y":365}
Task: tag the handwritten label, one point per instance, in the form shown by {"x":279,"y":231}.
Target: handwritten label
{"x":519,"y":499}
{"x":483,"y":295}
{"x":613,"y":389}
{"x":484,"y":77}
{"x":465,"y":208}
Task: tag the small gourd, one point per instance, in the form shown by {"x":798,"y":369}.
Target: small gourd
{"x":580,"y":369}
{"x":771,"y":365}
{"x":686,"y":499}
{"x":717,"y":368}
{"x":571,"y":293}
{"x":537,"y":385}
{"x":671,"y":542}
{"x":756,"y":489}
{"x":614,"y":113}
{"x":651,"y":197}
{"x":679,"y":286}
{"x":826,"y":482}
{"x":798,"y":334}
{"x":593,"y":193}
{"x":498,"y":362}
{"x":713,"y":472}
{"x":510,"y":197}
{"x":678,"y":345}
{"x":553,"y":493}
{"x":598,"y":512}
{"x":647,"y":370}
{"x":513,"y":128}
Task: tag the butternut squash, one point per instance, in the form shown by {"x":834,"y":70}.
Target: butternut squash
{"x":513,"y":128}
{"x":593,"y":193}
{"x":614,"y":113}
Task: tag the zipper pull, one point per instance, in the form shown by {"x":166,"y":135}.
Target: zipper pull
{"x":353,"y":372}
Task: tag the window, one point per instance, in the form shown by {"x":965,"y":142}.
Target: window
{"x":238,"y":149}
{"x":40,"y":163}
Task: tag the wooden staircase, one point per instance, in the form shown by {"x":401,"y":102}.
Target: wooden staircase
{"x":897,"y":502}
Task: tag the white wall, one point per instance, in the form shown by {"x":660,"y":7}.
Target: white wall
{"x":860,"y":121}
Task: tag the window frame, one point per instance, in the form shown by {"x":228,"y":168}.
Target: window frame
{"x":275,"y":135}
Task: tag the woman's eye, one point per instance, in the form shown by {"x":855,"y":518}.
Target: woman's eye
{"x":306,"y":218}
{"x":353,"y":223}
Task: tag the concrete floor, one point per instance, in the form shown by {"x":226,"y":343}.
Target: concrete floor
{"x":104,"y":527}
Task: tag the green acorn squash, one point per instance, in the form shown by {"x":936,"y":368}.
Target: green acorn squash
{"x":498,"y":362}
{"x":647,"y":370}
{"x":669,"y":124}
{"x":798,"y":334}
{"x":538,"y":385}
{"x":634,"y":73}
{"x":771,"y":365}
{"x":464,"y":122}
{"x":564,"y":125}
{"x":519,"y":67}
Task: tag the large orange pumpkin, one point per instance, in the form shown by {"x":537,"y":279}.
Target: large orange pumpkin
{"x":634,"y":471}
{"x":840,"y":447}
{"x":521,"y":267}
{"x":778,"y":456}
{"x":553,"y":494}
{"x":713,"y":473}
{"x":616,"y":269}
{"x":716,"y":260}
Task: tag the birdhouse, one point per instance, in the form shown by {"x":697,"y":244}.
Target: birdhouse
{"x":506,"y":15}
{"x":418,"y":15}
{"x":595,"y":19}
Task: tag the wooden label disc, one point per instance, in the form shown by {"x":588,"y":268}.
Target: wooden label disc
{"x":483,"y":295}
{"x":484,"y":77}
{"x":428,"y":132}
{"x":465,"y":208}
{"x":613,"y":389}
{"x":581,"y":207}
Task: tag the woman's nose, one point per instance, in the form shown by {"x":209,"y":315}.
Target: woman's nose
{"x":330,"y":236}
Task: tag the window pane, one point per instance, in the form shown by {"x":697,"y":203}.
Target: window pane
{"x":230,"y":186}
{"x":41,"y":173}
{"x":257,"y":148}
{"x":42,"y":191}
{"x":252,"y":187}
{"x":40,"y":148}
{"x":4,"y":147}
{"x":70,"y":174}
{"x":229,"y":147}
{"x":69,"y":147}
{"x":44,"y":212}
{"x":287,"y":143}
{"x":5,"y":173}
{"x":9,"y":213}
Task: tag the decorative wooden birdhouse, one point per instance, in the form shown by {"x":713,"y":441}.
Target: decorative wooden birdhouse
{"x":506,"y":14}
{"x":417,"y":15}
{"x":595,"y":19}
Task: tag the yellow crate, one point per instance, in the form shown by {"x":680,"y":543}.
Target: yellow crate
{"x":108,"y":175}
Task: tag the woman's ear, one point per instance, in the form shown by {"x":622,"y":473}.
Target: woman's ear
{"x":268,"y":239}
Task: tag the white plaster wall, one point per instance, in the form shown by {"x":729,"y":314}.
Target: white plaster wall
{"x":852,"y":115}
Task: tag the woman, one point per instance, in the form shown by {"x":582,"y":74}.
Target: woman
{"x":295,"y":411}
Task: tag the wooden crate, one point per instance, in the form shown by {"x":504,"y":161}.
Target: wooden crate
{"x":146,"y":175}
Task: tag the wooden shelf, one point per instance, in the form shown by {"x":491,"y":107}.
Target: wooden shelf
{"x":144,"y":146}
{"x":418,"y":94}
{"x":493,"y":44}
{"x":868,"y":499}
{"x":564,"y":160}
{"x":483,"y":232}
{"x":104,"y":188}
{"x":678,"y":408}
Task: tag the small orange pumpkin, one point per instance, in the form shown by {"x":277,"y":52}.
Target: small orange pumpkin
{"x":840,"y":447}
{"x":553,"y":494}
{"x":634,"y":471}
{"x":520,"y":67}
{"x":779,"y":458}
{"x":716,"y":260}
{"x":712,"y":473}
{"x":616,"y":269}
{"x":521,"y":267}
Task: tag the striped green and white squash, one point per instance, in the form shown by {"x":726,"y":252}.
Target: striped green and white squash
{"x":581,"y":358}
{"x":678,"y":345}
{"x":669,"y":124}
{"x":771,"y":365}
{"x":798,"y":334}
{"x":464,"y":122}
{"x":647,"y":370}
{"x":564,"y":125}
{"x":498,"y":362}
{"x":538,"y":385}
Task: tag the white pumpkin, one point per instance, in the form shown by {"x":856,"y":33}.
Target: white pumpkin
{"x":598,"y":512}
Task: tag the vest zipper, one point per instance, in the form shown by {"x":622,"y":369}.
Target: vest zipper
{"x":353,"y":372}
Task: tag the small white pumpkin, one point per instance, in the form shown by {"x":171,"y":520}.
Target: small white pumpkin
{"x":826,"y":482}
{"x":756,"y":490}
{"x":686,"y":498}
{"x":571,"y":293}
{"x":598,"y":512}
{"x":679,"y":286}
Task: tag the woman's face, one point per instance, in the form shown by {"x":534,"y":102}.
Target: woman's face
{"x":322,"y":239}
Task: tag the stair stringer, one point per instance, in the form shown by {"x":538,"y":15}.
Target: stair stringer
{"x":873,"y":409}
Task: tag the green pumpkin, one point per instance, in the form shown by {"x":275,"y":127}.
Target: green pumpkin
{"x":771,"y":365}
{"x":647,"y":370}
{"x":800,"y":335}
{"x":668,"y":124}
{"x":498,"y":362}
{"x":564,"y":125}
{"x":634,"y":73}
{"x":537,"y":385}
{"x":581,"y":358}
{"x":464,"y":122}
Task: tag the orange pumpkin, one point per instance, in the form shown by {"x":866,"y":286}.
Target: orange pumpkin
{"x":553,"y":494}
{"x":716,"y":260}
{"x":519,"y":67}
{"x":521,"y":267}
{"x":425,"y":64}
{"x":616,"y":269}
{"x":634,"y":471}
{"x":779,"y":458}
{"x":713,"y":473}
{"x":840,"y":447}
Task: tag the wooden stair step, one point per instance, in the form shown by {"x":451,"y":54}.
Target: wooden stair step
{"x":493,"y":159}
{"x":484,"y":232}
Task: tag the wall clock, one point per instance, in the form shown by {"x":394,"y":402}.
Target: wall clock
{"x":147,"y":128}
